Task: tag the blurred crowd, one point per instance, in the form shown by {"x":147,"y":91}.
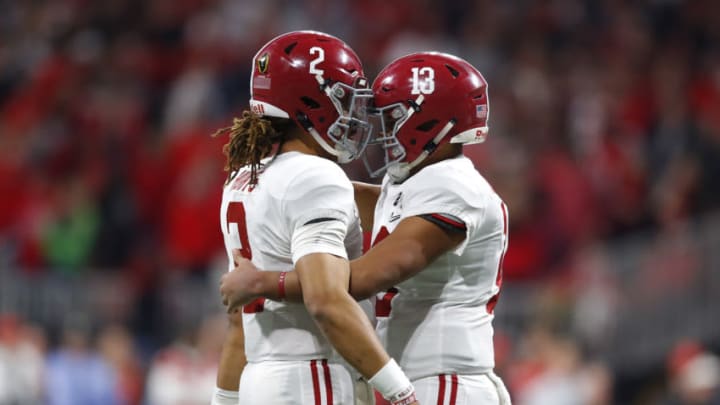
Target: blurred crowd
{"x":605,"y":123}
{"x":93,"y":366}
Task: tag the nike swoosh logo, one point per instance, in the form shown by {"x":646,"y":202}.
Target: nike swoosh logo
{"x":394,"y":218}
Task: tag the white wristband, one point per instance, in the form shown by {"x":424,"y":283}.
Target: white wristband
{"x":393,"y":384}
{"x":225,"y":397}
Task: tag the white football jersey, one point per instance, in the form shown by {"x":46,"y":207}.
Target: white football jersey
{"x":439,"y":321}
{"x":293,"y":190}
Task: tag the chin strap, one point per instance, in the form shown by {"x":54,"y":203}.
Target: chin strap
{"x":343,"y":156}
{"x":400,"y":171}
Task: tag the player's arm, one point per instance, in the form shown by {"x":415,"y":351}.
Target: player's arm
{"x":366,"y":196}
{"x":232,"y":362}
{"x":324,"y":273}
{"x":320,"y":281}
{"x":416,"y":242}
{"x":324,"y":279}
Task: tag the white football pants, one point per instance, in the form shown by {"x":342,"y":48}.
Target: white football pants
{"x":314,"y":382}
{"x":453,"y":389}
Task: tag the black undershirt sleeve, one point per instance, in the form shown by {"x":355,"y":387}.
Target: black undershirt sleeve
{"x":445,"y":221}
{"x":317,"y":220}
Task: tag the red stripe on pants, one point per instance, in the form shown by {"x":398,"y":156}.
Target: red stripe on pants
{"x":453,"y":388}
{"x":328,"y":382}
{"x":316,"y":382}
{"x":441,"y":390}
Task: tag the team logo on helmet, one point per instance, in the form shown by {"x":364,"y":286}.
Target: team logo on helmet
{"x":262,"y":63}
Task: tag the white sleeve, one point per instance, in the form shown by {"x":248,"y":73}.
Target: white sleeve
{"x":448,"y":196}
{"x":354,"y":238}
{"x":320,"y":237}
{"x":318,"y":208}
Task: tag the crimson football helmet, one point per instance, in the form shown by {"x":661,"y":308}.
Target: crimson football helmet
{"x":317,"y":81}
{"x":422,"y":101}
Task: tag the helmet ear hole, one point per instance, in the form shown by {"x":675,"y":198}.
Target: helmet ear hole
{"x":310,"y":103}
{"x":427,"y":125}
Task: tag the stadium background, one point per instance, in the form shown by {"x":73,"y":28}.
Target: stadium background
{"x":605,"y":143}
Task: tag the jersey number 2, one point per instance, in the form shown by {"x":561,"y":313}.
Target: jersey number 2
{"x":236,"y":215}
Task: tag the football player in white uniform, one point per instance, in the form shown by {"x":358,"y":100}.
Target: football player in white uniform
{"x":439,"y":232}
{"x":296,"y":210}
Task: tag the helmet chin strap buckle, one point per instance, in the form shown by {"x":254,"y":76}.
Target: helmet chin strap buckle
{"x":345,"y":156}
{"x":401,"y":171}
{"x":415,"y":104}
{"x":398,"y":172}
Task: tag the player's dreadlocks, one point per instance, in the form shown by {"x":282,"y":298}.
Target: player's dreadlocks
{"x":251,"y":139}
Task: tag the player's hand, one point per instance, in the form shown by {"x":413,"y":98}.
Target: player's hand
{"x":236,"y":286}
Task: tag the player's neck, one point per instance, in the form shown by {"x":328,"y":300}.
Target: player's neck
{"x":304,"y":143}
{"x":296,"y":145}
